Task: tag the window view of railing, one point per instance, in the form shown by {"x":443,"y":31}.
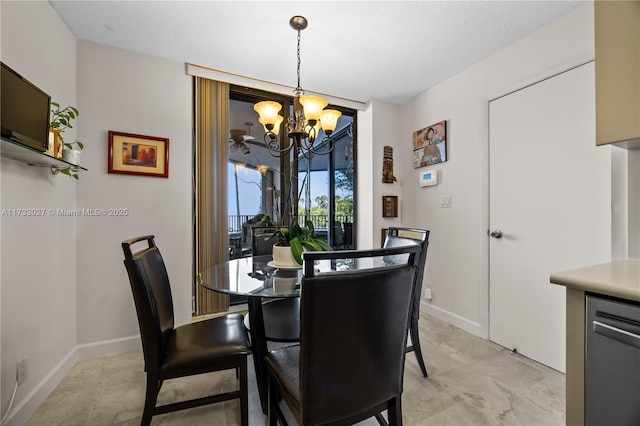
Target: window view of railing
{"x":320,"y":222}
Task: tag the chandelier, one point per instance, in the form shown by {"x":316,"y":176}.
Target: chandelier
{"x":309,"y":116}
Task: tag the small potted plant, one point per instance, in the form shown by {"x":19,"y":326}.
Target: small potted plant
{"x":293,"y":240}
{"x":70,"y":152}
{"x":61,"y":119}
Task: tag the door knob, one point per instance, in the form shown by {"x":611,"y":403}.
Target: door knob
{"x":496,"y":234}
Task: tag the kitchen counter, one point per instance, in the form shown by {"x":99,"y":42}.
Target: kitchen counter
{"x":620,"y":278}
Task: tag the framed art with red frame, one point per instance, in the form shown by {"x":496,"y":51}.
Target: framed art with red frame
{"x":142,"y":155}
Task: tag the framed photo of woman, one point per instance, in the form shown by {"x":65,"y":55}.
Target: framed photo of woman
{"x":430,"y":145}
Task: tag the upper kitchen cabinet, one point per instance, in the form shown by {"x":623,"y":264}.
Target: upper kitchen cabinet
{"x":617,"y":53}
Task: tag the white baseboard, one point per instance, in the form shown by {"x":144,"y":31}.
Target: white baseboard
{"x":108,"y":347}
{"x":25,"y":408}
{"x":453,"y":319}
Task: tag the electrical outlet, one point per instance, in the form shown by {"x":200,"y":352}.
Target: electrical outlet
{"x":428,"y":294}
{"x":21,"y":370}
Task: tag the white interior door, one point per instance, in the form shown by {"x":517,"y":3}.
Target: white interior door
{"x":550,"y":196}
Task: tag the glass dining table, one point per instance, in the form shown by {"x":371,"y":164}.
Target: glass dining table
{"x":259,"y":278}
{"x":256,"y":278}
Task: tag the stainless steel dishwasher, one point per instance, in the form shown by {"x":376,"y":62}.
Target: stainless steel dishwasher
{"x":612,"y":362}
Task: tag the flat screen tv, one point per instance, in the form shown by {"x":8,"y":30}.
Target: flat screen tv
{"x":24,"y":110}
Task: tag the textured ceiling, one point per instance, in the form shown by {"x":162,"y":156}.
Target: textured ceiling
{"x":360,"y":50}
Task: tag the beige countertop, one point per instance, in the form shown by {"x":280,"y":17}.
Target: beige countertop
{"x":619,"y":278}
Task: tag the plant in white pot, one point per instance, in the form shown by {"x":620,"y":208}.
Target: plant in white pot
{"x":71,"y":153}
{"x":61,"y":119}
{"x":295,"y":239}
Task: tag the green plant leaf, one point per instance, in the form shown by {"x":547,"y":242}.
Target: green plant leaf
{"x":67,"y":171}
{"x":296,"y":249}
{"x":312,"y":245}
{"x":323,"y":244}
{"x":309,"y":226}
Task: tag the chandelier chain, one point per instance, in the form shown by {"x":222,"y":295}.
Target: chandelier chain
{"x":298,"y":88}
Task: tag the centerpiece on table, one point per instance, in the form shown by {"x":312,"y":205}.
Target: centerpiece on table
{"x":293,"y":240}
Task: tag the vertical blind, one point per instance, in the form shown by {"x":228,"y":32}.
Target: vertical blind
{"x":211,"y":108}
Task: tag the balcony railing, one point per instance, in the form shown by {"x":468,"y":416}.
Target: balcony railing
{"x":320,"y":221}
{"x":340,"y":237}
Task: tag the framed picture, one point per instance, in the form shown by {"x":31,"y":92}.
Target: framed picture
{"x":389,"y":206}
{"x":430,"y":145}
{"x":132,"y":154}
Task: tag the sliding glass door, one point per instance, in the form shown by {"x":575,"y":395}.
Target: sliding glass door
{"x":267,"y":190}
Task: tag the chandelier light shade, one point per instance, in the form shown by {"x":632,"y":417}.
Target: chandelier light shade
{"x":268,"y":111}
{"x":329,"y":120}
{"x":275,"y":126}
{"x":309,"y":116}
{"x":313,"y":106}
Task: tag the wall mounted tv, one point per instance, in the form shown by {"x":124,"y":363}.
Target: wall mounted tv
{"x":24,"y":110}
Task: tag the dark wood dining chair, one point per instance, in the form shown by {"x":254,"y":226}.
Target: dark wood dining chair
{"x":261,"y":241}
{"x":171,"y":352}
{"x":340,"y":373}
{"x":337,"y":236}
{"x":348,"y":235}
{"x":409,"y":236}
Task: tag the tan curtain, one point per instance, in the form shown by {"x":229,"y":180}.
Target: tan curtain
{"x":211,"y":228}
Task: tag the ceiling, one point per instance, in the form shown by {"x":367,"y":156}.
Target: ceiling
{"x":359,"y":50}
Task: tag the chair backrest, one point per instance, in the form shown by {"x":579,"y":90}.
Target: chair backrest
{"x":260,"y":242}
{"x":337,"y":235}
{"x":345,"y":315}
{"x":348,"y":233}
{"x":397,"y":237}
{"x":152,"y":296}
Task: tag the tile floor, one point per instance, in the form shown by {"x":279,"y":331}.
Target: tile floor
{"x":471,"y":382}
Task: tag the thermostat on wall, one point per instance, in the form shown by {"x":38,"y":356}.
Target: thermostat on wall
{"x":428,"y":178}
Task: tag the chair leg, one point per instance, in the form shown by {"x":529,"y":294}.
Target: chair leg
{"x":415,"y":341}
{"x":274,"y":413}
{"x":153,"y":388}
{"x":244,"y":392}
{"x":394,"y":412}
{"x":381,"y":420}
{"x":272,"y":410}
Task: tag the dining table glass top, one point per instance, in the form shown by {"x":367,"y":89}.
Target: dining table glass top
{"x":259,"y":277}
{"x":252,"y":276}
